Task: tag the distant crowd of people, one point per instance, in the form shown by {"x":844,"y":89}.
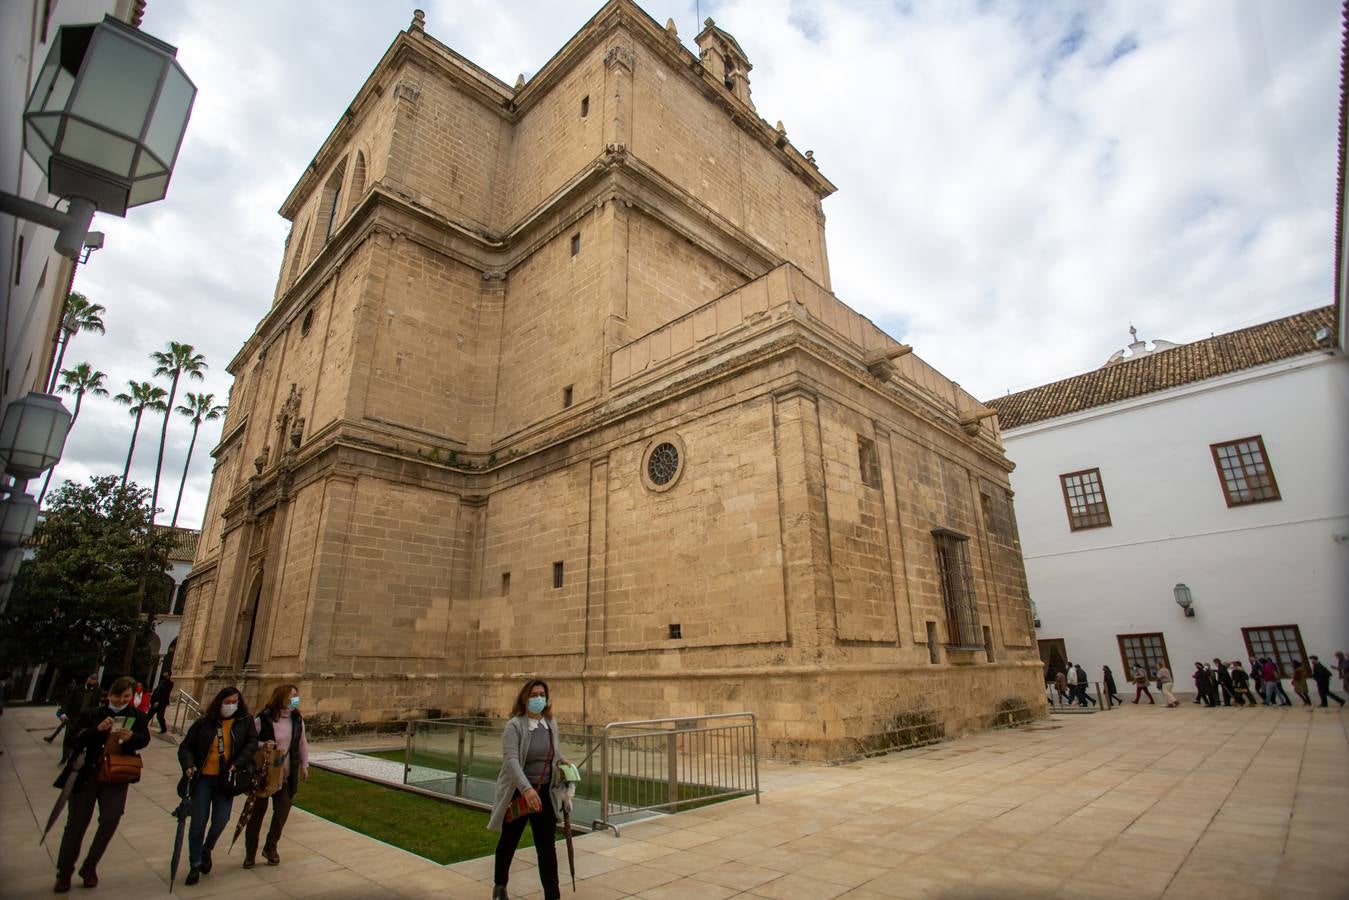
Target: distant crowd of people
{"x":1215,"y":684}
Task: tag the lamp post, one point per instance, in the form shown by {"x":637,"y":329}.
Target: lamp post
{"x":105,"y":121}
{"x":32,"y":435}
{"x":1184,"y":599}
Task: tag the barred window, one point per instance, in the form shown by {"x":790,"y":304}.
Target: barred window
{"x":1244,"y":470}
{"x":1145,"y":650}
{"x":868,"y":462}
{"x":957,"y":588}
{"x":1084,"y":496}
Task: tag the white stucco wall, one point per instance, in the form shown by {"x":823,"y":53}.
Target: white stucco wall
{"x":1275,"y":563}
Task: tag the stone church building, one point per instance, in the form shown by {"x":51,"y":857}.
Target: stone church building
{"x":553,"y":383}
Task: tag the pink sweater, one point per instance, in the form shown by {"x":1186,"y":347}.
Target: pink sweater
{"x":281,"y":728}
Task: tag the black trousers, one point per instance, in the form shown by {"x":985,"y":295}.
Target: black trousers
{"x":1227,"y":694}
{"x":157,"y":712}
{"x":281,"y":804}
{"x":1327,"y":694}
{"x":544,"y":826}
{"x":111,"y":801}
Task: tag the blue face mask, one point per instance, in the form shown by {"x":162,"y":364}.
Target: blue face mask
{"x":537,"y":704}
{"x":295,"y":702}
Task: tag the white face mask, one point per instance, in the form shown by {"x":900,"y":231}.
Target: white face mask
{"x":229,"y":709}
{"x":116,"y":708}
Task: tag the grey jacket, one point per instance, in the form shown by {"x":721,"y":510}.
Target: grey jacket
{"x":514,"y":747}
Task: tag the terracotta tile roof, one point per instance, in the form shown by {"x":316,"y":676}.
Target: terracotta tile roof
{"x":1188,"y":363}
{"x":184,"y":544}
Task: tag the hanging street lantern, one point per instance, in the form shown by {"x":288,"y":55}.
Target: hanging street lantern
{"x":10,"y":560}
{"x":18,"y":518}
{"x":105,"y":122}
{"x":32,"y":435}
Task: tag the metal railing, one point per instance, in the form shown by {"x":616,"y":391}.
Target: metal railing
{"x":658,"y":765}
{"x":628,"y":770}
{"x":186,"y":710}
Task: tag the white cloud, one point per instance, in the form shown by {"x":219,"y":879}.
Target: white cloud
{"x":1011,"y":194}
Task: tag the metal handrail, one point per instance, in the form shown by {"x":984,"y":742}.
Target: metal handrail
{"x":185,"y":706}
{"x":643,"y":767}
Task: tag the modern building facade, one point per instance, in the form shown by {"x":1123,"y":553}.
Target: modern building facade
{"x":1210,"y":473}
{"x":554,"y":384}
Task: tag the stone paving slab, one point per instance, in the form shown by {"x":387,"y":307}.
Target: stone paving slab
{"x":1138,"y":803}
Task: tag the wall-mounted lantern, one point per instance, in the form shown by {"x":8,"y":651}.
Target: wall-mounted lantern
{"x":1184,"y":600}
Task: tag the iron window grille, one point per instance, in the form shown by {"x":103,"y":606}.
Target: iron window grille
{"x":957,"y":586}
{"x":1084,"y":497}
{"x":868,"y":462}
{"x":1243,"y":468}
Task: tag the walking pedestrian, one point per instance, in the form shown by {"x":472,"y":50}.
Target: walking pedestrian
{"x":1164,"y":682}
{"x":278,"y":725}
{"x":1201,"y":685}
{"x":160,"y":698}
{"x":1257,"y":679}
{"x":1321,"y":675}
{"x":529,"y":749}
{"x":78,"y":699}
{"x":1141,"y":685}
{"x":1342,"y":666}
{"x":1300,"y":682}
{"x":1241,"y":686}
{"x":1083,"y":699}
{"x":112,"y":727}
{"x":220,"y":741}
{"x":1224,"y":680}
{"x":1108,"y":680}
{"x":1061,"y":688}
{"x":140,"y":698}
{"x":1271,"y":680}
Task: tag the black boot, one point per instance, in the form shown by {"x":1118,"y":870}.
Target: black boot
{"x":205,"y":862}
{"x":193,"y":876}
{"x":499,"y":892}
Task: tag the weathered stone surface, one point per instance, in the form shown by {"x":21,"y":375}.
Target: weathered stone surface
{"x":498,"y":303}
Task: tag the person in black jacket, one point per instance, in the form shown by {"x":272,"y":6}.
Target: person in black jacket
{"x":221,"y":740}
{"x":279,"y":726}
{"x":159,"y":700}
{"x":1321,"y":675}
{"x":91,"y":734}
{"x":77,"y":700}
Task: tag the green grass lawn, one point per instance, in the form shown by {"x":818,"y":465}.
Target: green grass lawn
{"x":434,"y":829}
{"x":624,"y":788}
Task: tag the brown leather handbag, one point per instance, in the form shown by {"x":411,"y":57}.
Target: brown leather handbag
{"x":118,"y":768}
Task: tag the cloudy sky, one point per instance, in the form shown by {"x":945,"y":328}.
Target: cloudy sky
{"x":1018,"y":182}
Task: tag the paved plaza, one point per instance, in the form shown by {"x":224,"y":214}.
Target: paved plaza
{"x":1137,"y":803}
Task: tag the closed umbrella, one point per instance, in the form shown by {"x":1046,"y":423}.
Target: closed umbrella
{"x":63,"y":798}
{"x":564,"y":789}
{"x":181,"y":812}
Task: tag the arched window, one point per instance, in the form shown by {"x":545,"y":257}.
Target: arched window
{"x":330,"y":200}
{"x":357,"y":182}
{"x":297,"y":260}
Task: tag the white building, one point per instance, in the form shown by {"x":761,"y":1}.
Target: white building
{"x":37,"y":277}
{"x":1221,"y":465}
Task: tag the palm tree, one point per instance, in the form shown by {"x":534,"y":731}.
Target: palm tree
{"x":79,"y":315}
{"x":140,"y":396}
{"x":199,"y":408}
{"x":81,"y":380}
{"x":178,"y":360}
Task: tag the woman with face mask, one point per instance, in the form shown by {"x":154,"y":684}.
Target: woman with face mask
{"x":530,"y":750}
{"x":279,"y":725}
{"x":114,"y":726}
{"x":221,"y":740}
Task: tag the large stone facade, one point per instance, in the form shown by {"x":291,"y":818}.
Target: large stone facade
{"x":444,"y":464}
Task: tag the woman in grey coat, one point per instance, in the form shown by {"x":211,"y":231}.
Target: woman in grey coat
{"x":530,"y":750}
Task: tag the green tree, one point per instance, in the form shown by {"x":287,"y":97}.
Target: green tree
{"x":81,"y":380}
{"x":175,"y":362}
{"x":199,"y":408}
{"x":78,"y":597}
{"x":79,"y":315}
{"x":140,"y":396}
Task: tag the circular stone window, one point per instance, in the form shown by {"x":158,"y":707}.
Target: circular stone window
{"x":663,"y":463}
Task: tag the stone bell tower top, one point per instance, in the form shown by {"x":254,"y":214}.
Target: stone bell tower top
{"x":725,"y":60}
